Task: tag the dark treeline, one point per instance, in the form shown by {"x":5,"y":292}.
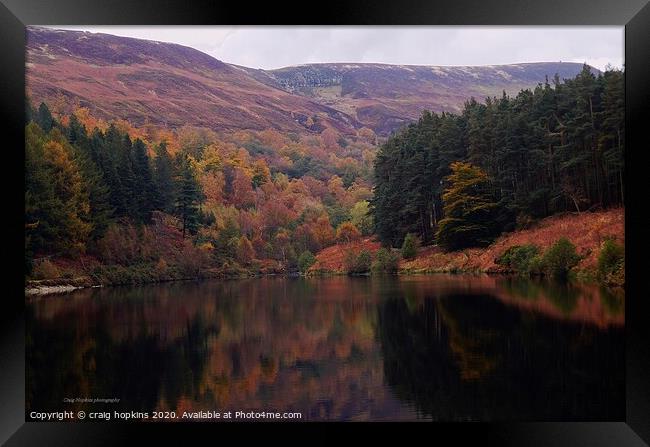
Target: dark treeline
{"x":77,"y":184}
{"x":556,"y":148}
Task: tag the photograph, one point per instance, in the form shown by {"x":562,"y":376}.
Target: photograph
{"x":324,"y":223}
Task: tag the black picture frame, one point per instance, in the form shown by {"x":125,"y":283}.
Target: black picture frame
{"x":633,"y":14}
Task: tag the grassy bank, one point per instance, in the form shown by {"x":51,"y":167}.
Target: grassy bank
{"x":587,"y":231}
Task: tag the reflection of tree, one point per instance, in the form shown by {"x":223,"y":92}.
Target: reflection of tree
{"x":522,"y":368}
{"x":303,"y":345}
{"x":520,"y":287}
{"x":471,"y":348}
{"x":90,"y":362}
{"x":563,"y":296}
{"x":573,"y":301}
{"x":325,"y":347}
{"x":613,"y":301}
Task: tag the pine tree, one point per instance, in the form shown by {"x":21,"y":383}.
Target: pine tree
{"x":56,"y":197}
{"x":144,"y":187}
{"x":44,"y":118}
{"x":188,"y":196}
{"x":101,"y":210}
{"x":163,"y":179}
{"x":128,"y":180}
{"x":106,"y":150}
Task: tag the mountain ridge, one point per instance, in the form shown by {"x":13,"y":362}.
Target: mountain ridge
{"x":170,"y":85}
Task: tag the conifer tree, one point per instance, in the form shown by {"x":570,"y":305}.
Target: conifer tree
{"x":44,"y":118}
{"x":144,"y":187}
{"x":163,"y":179}
{"x":188,"y":196}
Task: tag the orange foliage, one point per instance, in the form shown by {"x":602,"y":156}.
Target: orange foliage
{"x":332,"y":258}
{"x":347,"y":232}
{"x":586,"y":231}
{"x":243,"y":196}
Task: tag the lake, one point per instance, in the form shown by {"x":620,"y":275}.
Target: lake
{"x":430,"y":347}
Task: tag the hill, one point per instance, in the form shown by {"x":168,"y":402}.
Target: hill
{"x":171,"y":85}
{"x":385,"y":97}
{"x":162,"y":84}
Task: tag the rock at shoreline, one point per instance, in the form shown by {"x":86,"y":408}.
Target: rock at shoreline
{"x":49,"y":290}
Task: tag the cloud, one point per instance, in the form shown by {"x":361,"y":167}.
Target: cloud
{"x":271,"y":47}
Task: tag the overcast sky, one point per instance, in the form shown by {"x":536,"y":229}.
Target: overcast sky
{"x":280,"y":46}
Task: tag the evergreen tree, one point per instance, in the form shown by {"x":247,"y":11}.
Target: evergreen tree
{"x":558,"y":147}
{"x":128,"y":180}
{"x":144,"y":187}
{"x":44,"y":118}
{"x":98,"y":192}
{"x":163,"y":179}
{"x":106,"y":150}
{"x":56,"y":197}
{"x":188,"y":196}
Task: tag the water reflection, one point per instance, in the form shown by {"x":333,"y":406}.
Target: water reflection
{"x":382,"y":348}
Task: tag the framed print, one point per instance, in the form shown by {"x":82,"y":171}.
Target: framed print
{"x":237,"y":223}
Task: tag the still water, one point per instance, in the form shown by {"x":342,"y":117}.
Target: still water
{"x":435,"y":347}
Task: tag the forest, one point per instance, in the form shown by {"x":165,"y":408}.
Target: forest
{"x":461,"y":180}
{"x":126,"y":204}
{"x":176,"y":204}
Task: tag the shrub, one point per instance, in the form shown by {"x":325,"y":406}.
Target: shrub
{"x":245,"y":251}
{"x":191,"y":260}
{"x":161,"y":269}
{"x":119,"y":245}
{"x":524,"y":221}
{"x":45,"y":269}
{"x":410,"y":246}
{"x":357,"y":264}
{"x":305,"y":261}
{"x":520,"y":258}
{"x":560,"y":258}
{"x":611,"y":258}
{"x":536,"y":265}
{"x":385,"y":261}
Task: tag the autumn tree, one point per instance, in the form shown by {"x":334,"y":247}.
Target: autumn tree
{"x":245,"y":251}
{"x":361,"y":217}
{"x":242,"y":189}
{"x":322,"y":232}
{"x":227,"y":242}
{"x":329,"y":139}
{"x":261,"y":173}
{"x":347,"y":232}
{"x":470,"y":210}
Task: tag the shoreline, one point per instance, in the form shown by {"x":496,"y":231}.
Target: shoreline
{"x":65,"y":286}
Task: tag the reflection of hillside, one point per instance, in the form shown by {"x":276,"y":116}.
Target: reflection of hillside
{"x":568,"y":302}
{"x":339,"y":348}
{"x":573,"y":302}
{"x":305,"y":346}
{"x":460,"y":357}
